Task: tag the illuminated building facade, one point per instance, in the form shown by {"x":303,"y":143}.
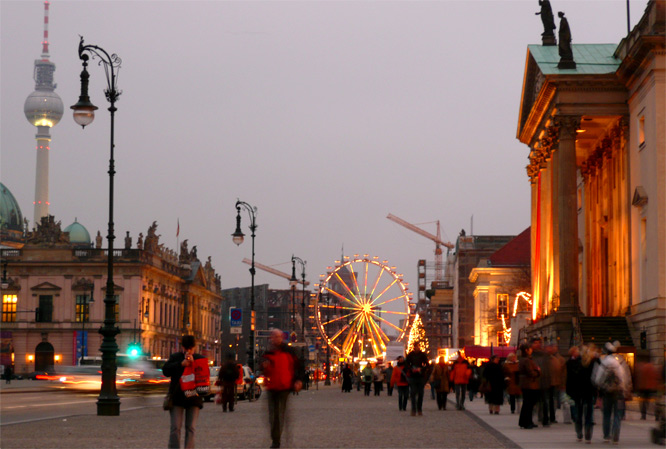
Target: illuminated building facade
{"x":48,"y":318}
{"x":598,"y":180}
{"x":502,"y":290}
{"x":469,"y":250}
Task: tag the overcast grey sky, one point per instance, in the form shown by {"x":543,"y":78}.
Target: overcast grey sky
{"x":326,"y":116}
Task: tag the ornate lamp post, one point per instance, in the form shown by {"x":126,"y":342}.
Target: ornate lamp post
{"x":293,"y":281}
{"x":108,"y":403}
{"x":238,"y":238}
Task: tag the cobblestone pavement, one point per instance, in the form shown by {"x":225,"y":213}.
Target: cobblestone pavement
{"x":323,"y":418}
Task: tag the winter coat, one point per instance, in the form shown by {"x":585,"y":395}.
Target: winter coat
{"x":398,"y":378}
{"x":461,"y":372}
{"x":281,"y":368}
{"x":173,"y":368}
{"x":494,"y":377}
{"x":441,"y":373}
{"x":417,"y":364}
{"x":512,"y":378}
{"x":377,"y":374}
{"x":579,"y":379}
{"x":529,"y":374}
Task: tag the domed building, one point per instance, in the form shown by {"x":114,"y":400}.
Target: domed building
{"x":78,"y":234}
{"x":11,"y":219}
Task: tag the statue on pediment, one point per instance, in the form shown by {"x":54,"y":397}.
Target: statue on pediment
{"x":48,"y":233}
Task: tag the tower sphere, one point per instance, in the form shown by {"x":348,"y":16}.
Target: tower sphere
{"x":43,"y":108}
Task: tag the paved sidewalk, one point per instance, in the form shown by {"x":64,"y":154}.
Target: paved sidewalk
{"x":320,"y":419}
{"x":634,"y":433}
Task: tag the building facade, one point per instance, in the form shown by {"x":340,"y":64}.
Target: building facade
{"x":598,"y":177}
{"x":470,"y":249}
{"x":502,"y":291}
{"x":54,"y":289}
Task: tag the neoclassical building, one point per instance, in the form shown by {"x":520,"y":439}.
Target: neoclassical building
{"x":597,"y":170}
{"x":54,"y":284}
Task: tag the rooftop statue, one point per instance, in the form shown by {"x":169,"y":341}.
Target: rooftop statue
{"x":546,"y":13}
{"x":566,"y":53}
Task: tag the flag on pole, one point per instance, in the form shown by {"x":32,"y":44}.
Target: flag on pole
{"x":178,"y":228}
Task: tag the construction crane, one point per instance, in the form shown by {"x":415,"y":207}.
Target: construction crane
{"x":273,"y":271}
{"x":439,"y":266}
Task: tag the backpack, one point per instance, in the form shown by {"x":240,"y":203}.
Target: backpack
{"x":611,"y":382}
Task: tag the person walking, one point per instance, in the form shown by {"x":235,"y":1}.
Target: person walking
{"x":226,"y":379}
{"x":579,"y":388}
{"x":377,"y":378}
{"x":366,"y":376}
{"x":557,"y":373}
{"x":529,"y":385}
{"x":460,"y":375}
{"x":439,"y":379}
{"x":388,"y":372}
{"x":512,"y":379}
{"x":417,"y":375}
{"x":494,"y":378}
{"x":347,"y":375}
{"x":9,"y":372}
{"x":647,"y":384}
{"x":613,"y":378}
{"x":542,"y":359}
{"x":189,"y":405}
{"x":283,"y":375}
{"x":399,"y":380}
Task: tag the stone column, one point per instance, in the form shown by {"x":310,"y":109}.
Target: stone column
{"x":567,"y":213}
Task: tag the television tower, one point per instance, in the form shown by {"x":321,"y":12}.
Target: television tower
{"x":43,"y":109}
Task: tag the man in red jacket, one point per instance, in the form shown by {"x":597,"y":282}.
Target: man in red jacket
{"x":282,"y":371}
{"x":460,"y":377}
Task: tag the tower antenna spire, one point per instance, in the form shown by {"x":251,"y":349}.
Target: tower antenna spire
{"x":45,"y":42}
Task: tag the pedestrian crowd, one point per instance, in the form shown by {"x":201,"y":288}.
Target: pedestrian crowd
{"x":535,"y":382}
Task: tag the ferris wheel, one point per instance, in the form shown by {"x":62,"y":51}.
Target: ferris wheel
{"x":361,"y":306}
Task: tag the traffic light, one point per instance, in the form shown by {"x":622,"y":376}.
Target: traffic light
{"x":644,"y":340}
{"x":134,"y":350}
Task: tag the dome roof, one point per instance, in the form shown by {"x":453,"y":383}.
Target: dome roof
{"x":10,"y":213}
{"x":43,"y":108}
{"x":78,"y":234}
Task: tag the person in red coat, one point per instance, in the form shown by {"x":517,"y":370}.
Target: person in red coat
{"x":282,"y":371}
{"x":399,"y":379}
{"x":460,"y":377}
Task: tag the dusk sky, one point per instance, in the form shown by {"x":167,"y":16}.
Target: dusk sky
{"x":325,"y":115}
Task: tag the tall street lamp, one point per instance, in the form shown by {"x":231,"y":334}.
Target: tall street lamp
{"x":327,"y":381}
{"x":238,"y":238}
{"x":108,"y":403}
{"x":293,"y":281}
{"x":85,"y":316}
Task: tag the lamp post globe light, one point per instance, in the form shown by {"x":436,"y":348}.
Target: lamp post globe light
{"x":238,"y":238}
{"x":108,"y":402}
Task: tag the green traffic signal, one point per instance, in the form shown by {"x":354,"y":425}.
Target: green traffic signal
{"x":134,"y":350}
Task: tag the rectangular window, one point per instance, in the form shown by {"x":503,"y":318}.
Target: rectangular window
{"x":500,"y":339}
{"x":502,"y":305}
{"x":45,"y":311}
{"x":641,"y":131}
{"x":82,"y":308}
{"x":9,"y":308}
